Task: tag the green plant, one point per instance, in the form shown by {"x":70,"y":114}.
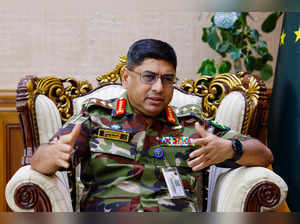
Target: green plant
{"x":231,"y":35}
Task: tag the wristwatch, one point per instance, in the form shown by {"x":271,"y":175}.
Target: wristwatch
{"x":237,"y":147}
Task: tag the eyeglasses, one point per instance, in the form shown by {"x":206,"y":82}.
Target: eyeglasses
{"x":149,"y":78}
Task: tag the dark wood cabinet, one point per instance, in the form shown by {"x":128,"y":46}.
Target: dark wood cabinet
{"x":11,"y":142}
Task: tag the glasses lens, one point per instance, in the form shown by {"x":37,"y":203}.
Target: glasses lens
{"x":168,"y":79}
{"x":148,"y":77}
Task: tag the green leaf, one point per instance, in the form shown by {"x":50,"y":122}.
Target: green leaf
{"x":212,"y":20}
{"x":270,"y":22}
{"x":249,"y":63}
{"x":241,"y":44}
{"x":251,"y":40}
{"x":266,"y":72}
{"x":208,"y":67}
{"x":204,"y":34}
{"x":226,"y":35}
{"x":238,"y":24}
{"x":254,"y":34}
{"x":224,"y":67}
{"x":223,"y":47}
{"x":245,"y":51}
{"x":268,"y":57}
{"x":235,"y":53}
{"x":262,"y":43}
{"x":213,"y":39}
{"x":260,"y":62}
{"x":261,"y":50}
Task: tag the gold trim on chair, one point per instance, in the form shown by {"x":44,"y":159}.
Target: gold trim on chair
{"x":60,"y":91}
{"x":214,"y":88}
{"x":114,"y":75}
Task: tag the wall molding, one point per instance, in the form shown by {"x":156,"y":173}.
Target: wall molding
{"x":8,"y":99}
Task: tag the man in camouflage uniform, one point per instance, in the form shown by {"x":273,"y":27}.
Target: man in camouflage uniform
{"x":137,"y":153}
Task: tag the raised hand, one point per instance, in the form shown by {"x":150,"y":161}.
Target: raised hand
{"x":50,"y":157}
{"x":213,"y":149}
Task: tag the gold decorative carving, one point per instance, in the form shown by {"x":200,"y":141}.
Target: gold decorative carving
{"x":114,"y":75}
{"x":60,"y":91}
{"x":214,"y":88}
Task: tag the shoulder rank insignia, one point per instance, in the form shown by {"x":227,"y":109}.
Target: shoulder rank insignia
{"x":219,"y":126}
{"x":97,"y":102}
{"x":121,"y":104}
{"x":189,"y":110}
{"x":170,"y":114}
{"x":113,"y":134}
{"x":176,"y":141}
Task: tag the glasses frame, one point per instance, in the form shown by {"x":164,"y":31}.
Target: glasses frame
{"x":157,"y":77}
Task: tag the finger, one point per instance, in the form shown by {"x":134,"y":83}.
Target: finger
{"x":71,"y":137}
{"x":63,"y":163}
{"x":199,"y":141}
{"x":198,"y":152}
{"x":65,"y":156}
{"x":200,"y":130}
{"x":75,"y":133}
{"x":202,"y":165}
{"x":196,"y":161}
{"x":65,"y":148}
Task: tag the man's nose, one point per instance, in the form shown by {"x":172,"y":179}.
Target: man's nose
{"x":158,"y":85}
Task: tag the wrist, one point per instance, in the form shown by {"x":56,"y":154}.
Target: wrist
{"x":230,"y":151}
{"x":237,"y":149}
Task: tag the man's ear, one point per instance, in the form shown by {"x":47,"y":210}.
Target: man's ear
{"x":124,"y":77}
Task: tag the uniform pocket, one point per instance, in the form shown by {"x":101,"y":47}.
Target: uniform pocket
{"x":113,"y":147}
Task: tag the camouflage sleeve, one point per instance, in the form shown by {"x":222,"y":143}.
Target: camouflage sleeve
{"x":81,"y":147}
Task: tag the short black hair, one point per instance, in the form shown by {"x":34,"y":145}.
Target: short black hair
{"x":150,"y":48}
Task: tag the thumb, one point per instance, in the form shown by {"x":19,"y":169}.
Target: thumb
{"x":70,"y":138}
{"x":203,"y":133}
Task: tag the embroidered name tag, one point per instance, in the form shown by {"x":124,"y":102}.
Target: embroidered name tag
{"x":113,"y":134}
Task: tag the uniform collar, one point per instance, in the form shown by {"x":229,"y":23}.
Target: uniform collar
{"x":122,"y":107}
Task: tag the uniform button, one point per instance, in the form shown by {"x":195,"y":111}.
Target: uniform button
{"x":158,"y":153}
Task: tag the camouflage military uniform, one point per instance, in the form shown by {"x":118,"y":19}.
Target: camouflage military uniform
{"x":126,"y":176}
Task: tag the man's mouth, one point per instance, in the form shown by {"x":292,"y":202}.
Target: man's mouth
{"x":155,"y":99}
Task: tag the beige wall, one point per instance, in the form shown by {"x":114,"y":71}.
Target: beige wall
{"x":84,"y":42}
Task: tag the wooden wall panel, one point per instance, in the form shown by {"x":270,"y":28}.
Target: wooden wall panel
{"x":11,"y":143}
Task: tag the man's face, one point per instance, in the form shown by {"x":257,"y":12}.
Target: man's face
{"x":149,"y":99}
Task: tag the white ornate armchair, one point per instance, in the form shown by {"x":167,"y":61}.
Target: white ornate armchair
{"x":236,"y":100}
